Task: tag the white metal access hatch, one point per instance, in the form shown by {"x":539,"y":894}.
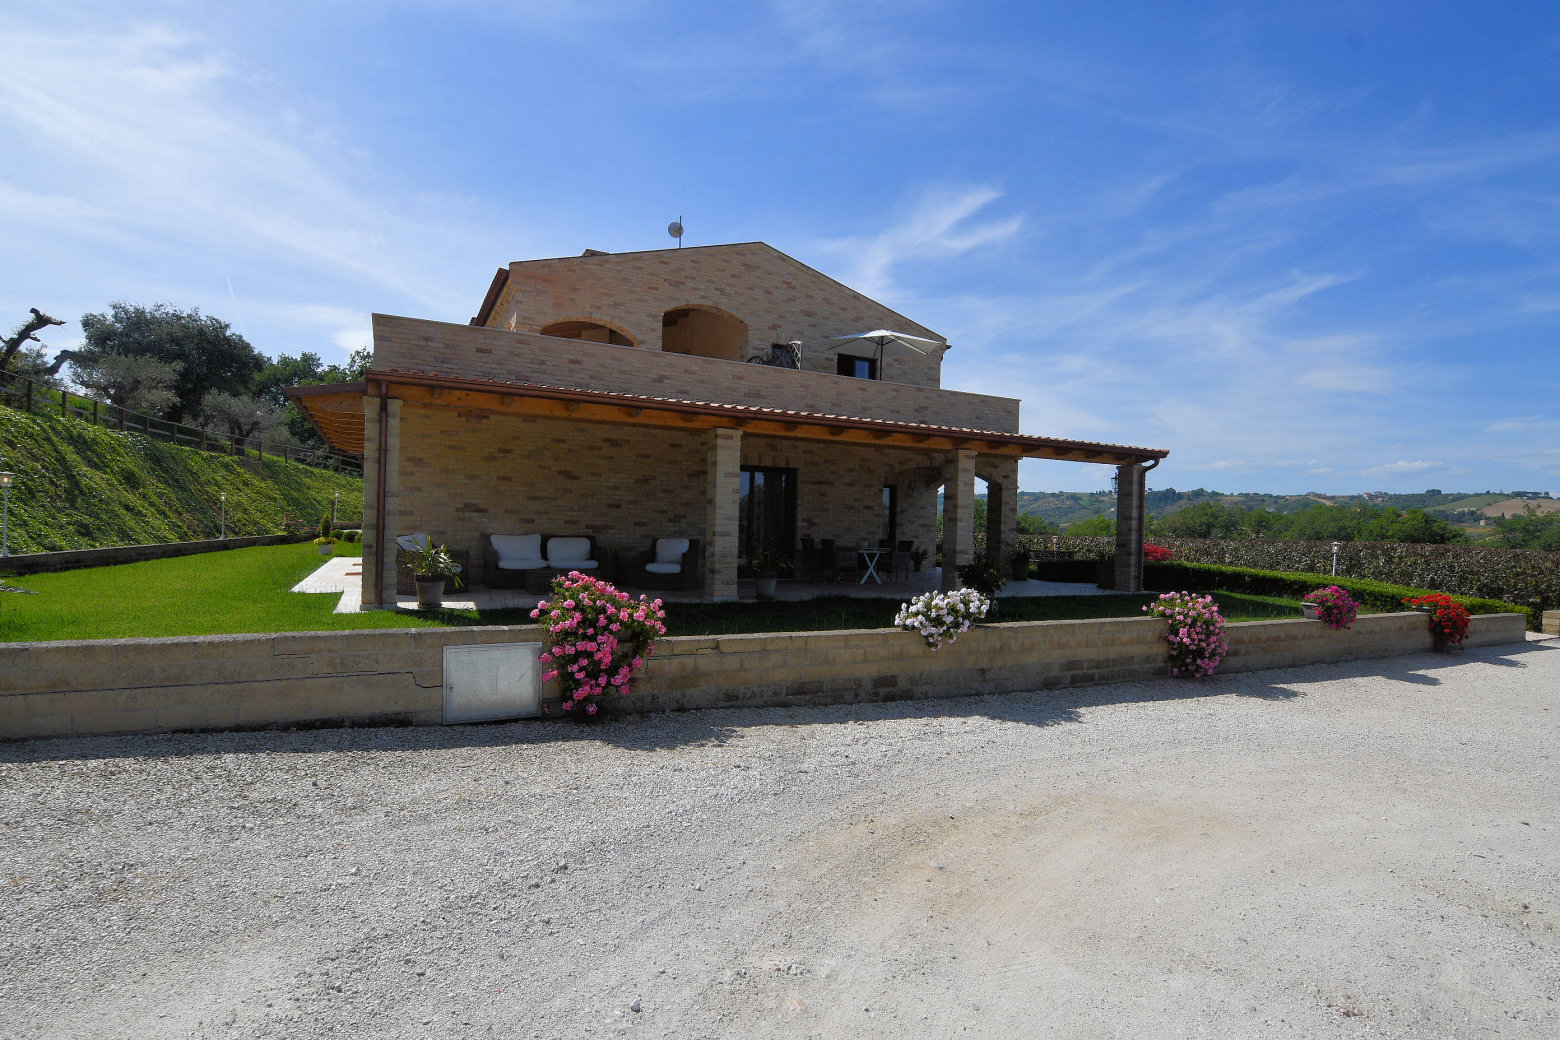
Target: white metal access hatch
{"x":490,"y":681}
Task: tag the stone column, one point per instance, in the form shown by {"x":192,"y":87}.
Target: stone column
{"x":723,"y":489}
{"x":380,"y":595}
{"x":1129,"y":528}
{"x":1001,"y":476}
{"x":958,"y":516}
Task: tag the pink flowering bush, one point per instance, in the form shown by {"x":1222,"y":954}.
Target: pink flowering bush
{"x":1196,"y":632}
{"x":1335,"y":608}
{"x":597,"y":638}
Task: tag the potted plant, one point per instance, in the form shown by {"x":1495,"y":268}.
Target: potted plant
{"x":917,"y":557}
{"x":985,"y":579}
{"x":767,"y":573}
{"x":1448,"y":619}
{"x":1018,"y":563}
{"x":1332,"y":606}
{"x":432,"y":566}
{"x":325,"y":544}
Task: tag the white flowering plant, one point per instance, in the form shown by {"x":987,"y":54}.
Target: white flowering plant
{"x":940,"y":617}
{"x":1196,"y":634}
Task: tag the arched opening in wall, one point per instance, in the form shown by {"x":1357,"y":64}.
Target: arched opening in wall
{"x":978,"y":528}
{"x":594,"y":331}
{"x":704,"y":331}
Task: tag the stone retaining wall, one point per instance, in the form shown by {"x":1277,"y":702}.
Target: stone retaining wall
{"x":75,"y":559}
{"x":395,"y":676}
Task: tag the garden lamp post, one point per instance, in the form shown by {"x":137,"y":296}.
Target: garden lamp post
{"x":223,"y":497}
{"x":5,"y":514}
{"x":335,"y":500}
{"x":1336,"y":547}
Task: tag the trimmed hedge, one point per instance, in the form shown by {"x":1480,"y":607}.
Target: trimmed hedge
{"x":1375,"y":596}
{"x":1523,"y":576}
{"x":1378,"y":597}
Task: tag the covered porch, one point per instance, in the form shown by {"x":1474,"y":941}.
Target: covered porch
{"x":463,"y":459}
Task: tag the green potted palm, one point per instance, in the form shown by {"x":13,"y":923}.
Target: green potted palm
{"x":432,"y":567}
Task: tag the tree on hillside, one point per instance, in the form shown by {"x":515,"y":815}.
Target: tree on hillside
{"x":1094,"y":526}
{"x":210,"y":355}
{"x":1530,"y":530}
{"x":24,"y":333}
{"x":140,"y":384}
{"x":240,"y":416}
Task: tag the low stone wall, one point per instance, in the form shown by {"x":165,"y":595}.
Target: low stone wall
{"x":395,"y":676}
{"x":1551,"y":622}
{"x":75,"y":559}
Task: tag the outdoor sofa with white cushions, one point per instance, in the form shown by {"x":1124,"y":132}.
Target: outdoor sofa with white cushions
{"x":508,"y":557}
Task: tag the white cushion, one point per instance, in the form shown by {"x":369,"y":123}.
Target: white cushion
{"x":664,"y":568}
{"x":413,"y":542}
{"x":568,"y":552}
{"x":669,"y":550}
{"x":516,"y":563}
{"x":575,"y":565}
{"x":517,"y":546}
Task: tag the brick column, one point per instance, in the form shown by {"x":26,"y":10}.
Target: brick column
{"x":1001,"y":477}
{"x":958,"y":516}
{"x":723,"y":484}
{"x":1129,"y":528}
{"x":382,"y":597}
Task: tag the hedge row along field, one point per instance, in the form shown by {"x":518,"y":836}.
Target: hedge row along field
{"x":80,"y":486}
{"x":1525,"y":577}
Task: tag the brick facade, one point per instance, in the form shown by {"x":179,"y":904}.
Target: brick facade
{"x":776,"y":298}
{"x":458,"y":472}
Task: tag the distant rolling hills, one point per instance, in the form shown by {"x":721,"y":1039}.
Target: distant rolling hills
{"x":1068,"y":507}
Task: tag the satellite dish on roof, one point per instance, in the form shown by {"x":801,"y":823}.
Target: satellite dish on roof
{"x":675,"y":229}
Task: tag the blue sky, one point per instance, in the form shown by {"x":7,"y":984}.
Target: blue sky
{"x":1304,"y":246}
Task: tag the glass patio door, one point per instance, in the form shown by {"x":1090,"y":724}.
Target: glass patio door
{"x":766,"y":515}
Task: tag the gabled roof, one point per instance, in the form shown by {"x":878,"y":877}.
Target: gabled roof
{"x":596,"y":256}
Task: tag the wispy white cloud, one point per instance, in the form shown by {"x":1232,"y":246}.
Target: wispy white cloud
{"x":938,"y":225}
{"x":148,"y":136}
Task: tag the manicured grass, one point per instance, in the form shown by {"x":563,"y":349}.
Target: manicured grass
{"x":247,"y":590}
{"x":238,"y":590}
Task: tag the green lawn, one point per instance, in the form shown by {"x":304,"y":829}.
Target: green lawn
{"x":246,"y":590}
{"x":236,"y":590}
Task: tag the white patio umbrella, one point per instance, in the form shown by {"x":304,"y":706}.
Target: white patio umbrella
{"x":885,"y":343}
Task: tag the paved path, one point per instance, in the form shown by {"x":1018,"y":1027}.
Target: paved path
{"x":1368,"y":849}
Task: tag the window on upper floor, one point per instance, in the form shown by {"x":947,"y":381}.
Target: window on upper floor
{"x":857,"y":367}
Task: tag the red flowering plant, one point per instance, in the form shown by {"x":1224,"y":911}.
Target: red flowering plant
{"x":1196,"y":635}
{"x":1335,"y":608}
{"x":598,"y":638}
{"x":1448,"y":618}
{"x":1155,"y":553}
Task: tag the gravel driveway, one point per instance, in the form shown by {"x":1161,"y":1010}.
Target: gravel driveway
{"x":1370,"y":848}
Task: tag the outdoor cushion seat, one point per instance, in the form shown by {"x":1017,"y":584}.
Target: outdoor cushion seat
{"x":571,"y":554}
{"x":670,"y":563}
{"x":413,"y":542}
{"x":518,"y":552}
